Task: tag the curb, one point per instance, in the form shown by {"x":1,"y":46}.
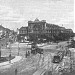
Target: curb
{"x":16,"y":59}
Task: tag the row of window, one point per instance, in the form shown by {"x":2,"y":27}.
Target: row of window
{"x":50,"y":35}
{"x":52,"y":31}
{"x":23,"y":31}
{"x":47,"y":31}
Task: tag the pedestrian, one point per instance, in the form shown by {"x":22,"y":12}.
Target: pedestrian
{"x":0,"y":53}
{"x":16,"y":71}
{"x":10,"y":58}
{"x":26,"y":54}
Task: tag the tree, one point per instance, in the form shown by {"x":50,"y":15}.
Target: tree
{"x":18,"y":38}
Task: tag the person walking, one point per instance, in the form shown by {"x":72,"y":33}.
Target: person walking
{"x":16,"y":71}
{"x":26,"y":54}
{"x":10,"y":58}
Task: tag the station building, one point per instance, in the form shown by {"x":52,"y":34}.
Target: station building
{"x":43,"y":29}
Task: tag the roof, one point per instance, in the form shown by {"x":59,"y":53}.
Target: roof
{"x":36,"y":20}
{"x":23,"y":28}
{"x":52,"y":25}
{"x":1,"y":27}
{"x":4,"y":29}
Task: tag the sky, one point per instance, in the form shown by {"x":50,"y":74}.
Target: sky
{"x":17,"y":13}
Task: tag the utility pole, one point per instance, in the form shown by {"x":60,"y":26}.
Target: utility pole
{"x":0,"y":51}
{"x":6,"y":36}
{"x":10,"y":53}
{"x":70,"y":64}
{"x":18,"y":48}
{"x":48,"y":61}
{"x":16,"y":71}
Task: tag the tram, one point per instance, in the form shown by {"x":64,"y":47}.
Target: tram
{"x":35,"y":49}
{"x":58,"y":57}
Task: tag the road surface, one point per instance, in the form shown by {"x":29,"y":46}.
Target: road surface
{"x":29,"y":65}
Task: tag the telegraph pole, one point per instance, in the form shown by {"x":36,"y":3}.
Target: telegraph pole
{"x":10,"y":53}
{"x":70,"y":58}
{"x":70,"y":63}
{"x":0,"y":51}
{"x":18,"y":48}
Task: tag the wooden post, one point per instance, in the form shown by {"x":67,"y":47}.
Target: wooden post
{"x":16,"y":71}
{"x":10,"y":53}
{"x":0,"y":51}
{"x":10,"y":58}
{"x":70,"y":63}
{"x":18,"y":48}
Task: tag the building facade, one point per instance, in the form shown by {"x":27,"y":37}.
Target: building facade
{"x":42,"y":29}
{"x":36,"y":26}
{"x":23,"y":31}
{"x":23,"y":34}
{"x":4,"y":32}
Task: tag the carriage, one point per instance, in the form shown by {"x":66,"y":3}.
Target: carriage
{"x":58,"y":57}
{"x":35,"y":50}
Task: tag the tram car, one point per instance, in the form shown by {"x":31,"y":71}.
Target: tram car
{"x":39,"y":50}
{"x":68,"y":53}
{"x":58,"y":57}
{"x":35,"y":50}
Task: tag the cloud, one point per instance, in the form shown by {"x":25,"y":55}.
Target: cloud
{"x":18,"y":12}
{"x":67,"y":20}
{"x":8,"y":14}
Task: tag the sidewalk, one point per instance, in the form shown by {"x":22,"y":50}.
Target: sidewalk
{"x":40,"y":72}
{"x":45,"y":44}
{"x":7,"y":64}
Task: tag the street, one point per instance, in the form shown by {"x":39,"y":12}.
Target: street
{"x":30,"y":65}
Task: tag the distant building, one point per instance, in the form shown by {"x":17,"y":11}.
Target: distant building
{"x":23,"y":31}
{"x":52,"y":30}
{"x":4,"y":31}
{"x":36,"y":26}
{"x":4,"y":36}
{"x":67,"y":32}
{"x":43,"y":29}
{"x":13,"y":36}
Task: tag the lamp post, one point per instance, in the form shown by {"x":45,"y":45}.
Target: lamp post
{"x":0,"y":51}
{"x":70,"y":58}
{"x":71,"y":63}
{"x":18,"y":48}
{"x":10,"y":53}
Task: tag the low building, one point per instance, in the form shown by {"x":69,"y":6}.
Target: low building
{"x":4,"y":32}
{"x":23,"y":31}
{"x":23,"y":34}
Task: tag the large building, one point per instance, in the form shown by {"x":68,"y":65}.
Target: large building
{"x":39,"y":29}
{"x":36,"y":28}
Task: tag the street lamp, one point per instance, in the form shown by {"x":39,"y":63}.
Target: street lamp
{"x":18,"y":48}
{"x":0,"y":51}
{"x":71,"y":62}
{"x":10,"y":53}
